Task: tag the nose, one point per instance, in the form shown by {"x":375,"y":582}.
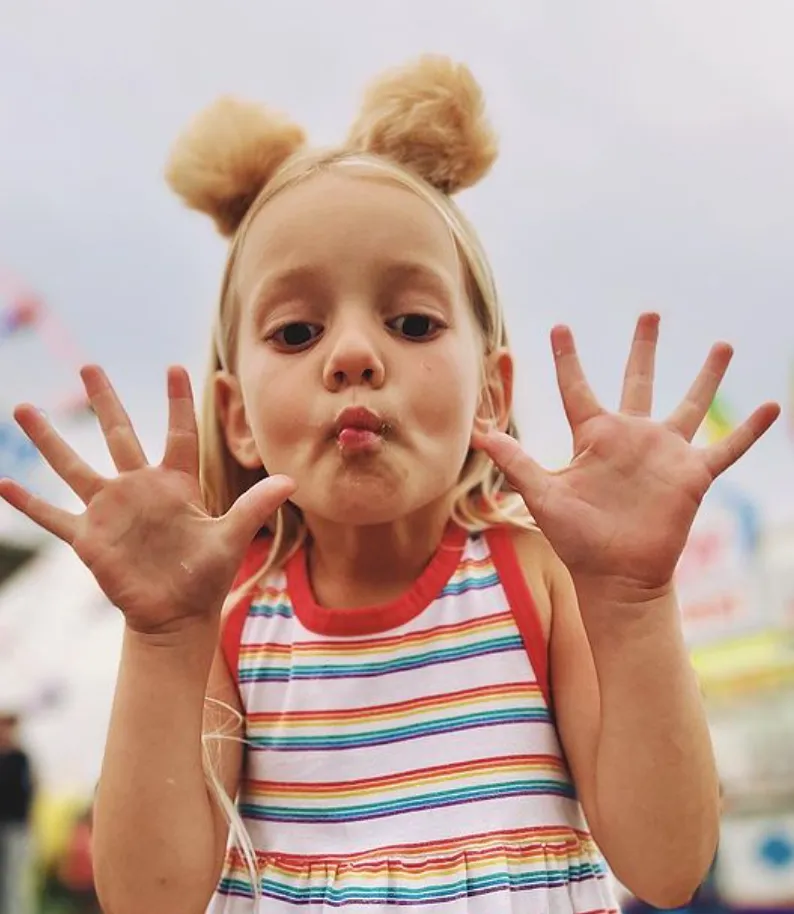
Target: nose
{"x":354,"y":359}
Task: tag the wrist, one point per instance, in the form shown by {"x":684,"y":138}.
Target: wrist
{"x":185,"y":636}
{"x":618,"y":612}
{"x":622,"y":592}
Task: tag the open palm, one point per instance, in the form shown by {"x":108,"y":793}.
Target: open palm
{"x":624,"y":506}
{"x":145,"y":533}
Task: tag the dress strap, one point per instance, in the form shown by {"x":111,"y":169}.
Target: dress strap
{"x":234,"y":618}
{"x":522,"y":604}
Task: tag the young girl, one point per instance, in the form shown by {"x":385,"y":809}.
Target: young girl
{"x":458,"y":675}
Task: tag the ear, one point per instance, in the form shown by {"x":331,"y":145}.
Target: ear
{"x":496,"y":397}
{"x":234,"y":421}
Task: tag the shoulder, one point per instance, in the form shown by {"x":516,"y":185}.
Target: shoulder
{"x":573,"y":691}
{"x":540,"y":567}
{"x":250,"y":577}
{"x":535,"y":553}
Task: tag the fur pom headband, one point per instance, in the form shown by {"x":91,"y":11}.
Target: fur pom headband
{"x":428,"y":116}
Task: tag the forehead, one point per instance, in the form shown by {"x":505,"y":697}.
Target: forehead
{"x":334,"y":218}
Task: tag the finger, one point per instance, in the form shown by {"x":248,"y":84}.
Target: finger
{"x":66,"y":462}
{"x":181,"y":446}
{"x":687,"y":418}
{"x":578,"y":399}
{"x":55,"y":520}
{"x":637,"y":396}
{"x":725,"y":453}
{"x":523,"y":473}
{"x":254,"y":508}
{"x":123,"y":443}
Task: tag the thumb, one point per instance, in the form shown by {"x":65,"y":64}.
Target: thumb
{"x":253,"y":509}
{"x":523,"y":473}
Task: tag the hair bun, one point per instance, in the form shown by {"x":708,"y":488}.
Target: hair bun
{"x":226,"y":156}
{"x":430,"y":117}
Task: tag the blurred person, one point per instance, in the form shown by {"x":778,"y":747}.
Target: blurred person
{"x":69,"y":878}
{"x":16,"y":800}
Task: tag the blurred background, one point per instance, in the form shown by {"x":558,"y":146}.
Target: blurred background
{"x":646,"y":163}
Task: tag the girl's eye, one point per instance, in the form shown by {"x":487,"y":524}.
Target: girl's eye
{"x":296,"y":335}
{"x":415,"y":326}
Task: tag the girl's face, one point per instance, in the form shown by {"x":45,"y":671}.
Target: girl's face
{"x":359,"y":362}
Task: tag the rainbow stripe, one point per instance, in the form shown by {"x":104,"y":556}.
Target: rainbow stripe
{"x":420,"y":875}
{"x":417,"y":766}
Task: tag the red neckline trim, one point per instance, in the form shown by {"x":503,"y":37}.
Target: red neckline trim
{"x":371,"y":620}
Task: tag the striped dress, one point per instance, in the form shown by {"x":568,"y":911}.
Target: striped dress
{"x":404,"y":756}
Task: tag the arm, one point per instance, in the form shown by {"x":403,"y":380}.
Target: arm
{"x":168,"y":564}
{"x":160,"y":837}
{"x":618,"y":516}
{"x":632,"y":724}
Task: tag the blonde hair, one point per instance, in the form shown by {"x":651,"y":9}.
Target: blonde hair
{"x":481,"y":498}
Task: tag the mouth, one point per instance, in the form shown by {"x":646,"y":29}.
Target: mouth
{"x":358,"y":429}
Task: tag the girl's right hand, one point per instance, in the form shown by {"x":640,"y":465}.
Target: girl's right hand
{"x":145,"y":534}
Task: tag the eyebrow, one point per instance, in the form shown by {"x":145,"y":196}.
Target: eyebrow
{"x":413,"y":272}
{"x":395,"y":274}
{"x":283,"y":281}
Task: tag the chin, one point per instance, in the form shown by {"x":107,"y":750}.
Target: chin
{"x":364,"y":505}
{"x":360,"y":500}
{"x":362,"y":491}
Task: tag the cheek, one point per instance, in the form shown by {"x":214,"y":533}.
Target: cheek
{"x":448,"y":390}
{"x":277,"y":413}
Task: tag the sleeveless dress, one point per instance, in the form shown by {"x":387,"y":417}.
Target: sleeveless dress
{"x":404,"y":756}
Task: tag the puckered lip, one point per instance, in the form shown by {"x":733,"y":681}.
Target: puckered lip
{"x":359,"y":417}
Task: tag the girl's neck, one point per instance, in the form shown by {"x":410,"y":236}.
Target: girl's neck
{"x":352,"y":567}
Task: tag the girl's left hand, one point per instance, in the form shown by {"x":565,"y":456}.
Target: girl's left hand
{"x":622,"y":509}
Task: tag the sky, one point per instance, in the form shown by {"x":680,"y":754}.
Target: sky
{"x":646,"y":155}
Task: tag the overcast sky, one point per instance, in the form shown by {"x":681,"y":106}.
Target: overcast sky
{"x":646,"y":161}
